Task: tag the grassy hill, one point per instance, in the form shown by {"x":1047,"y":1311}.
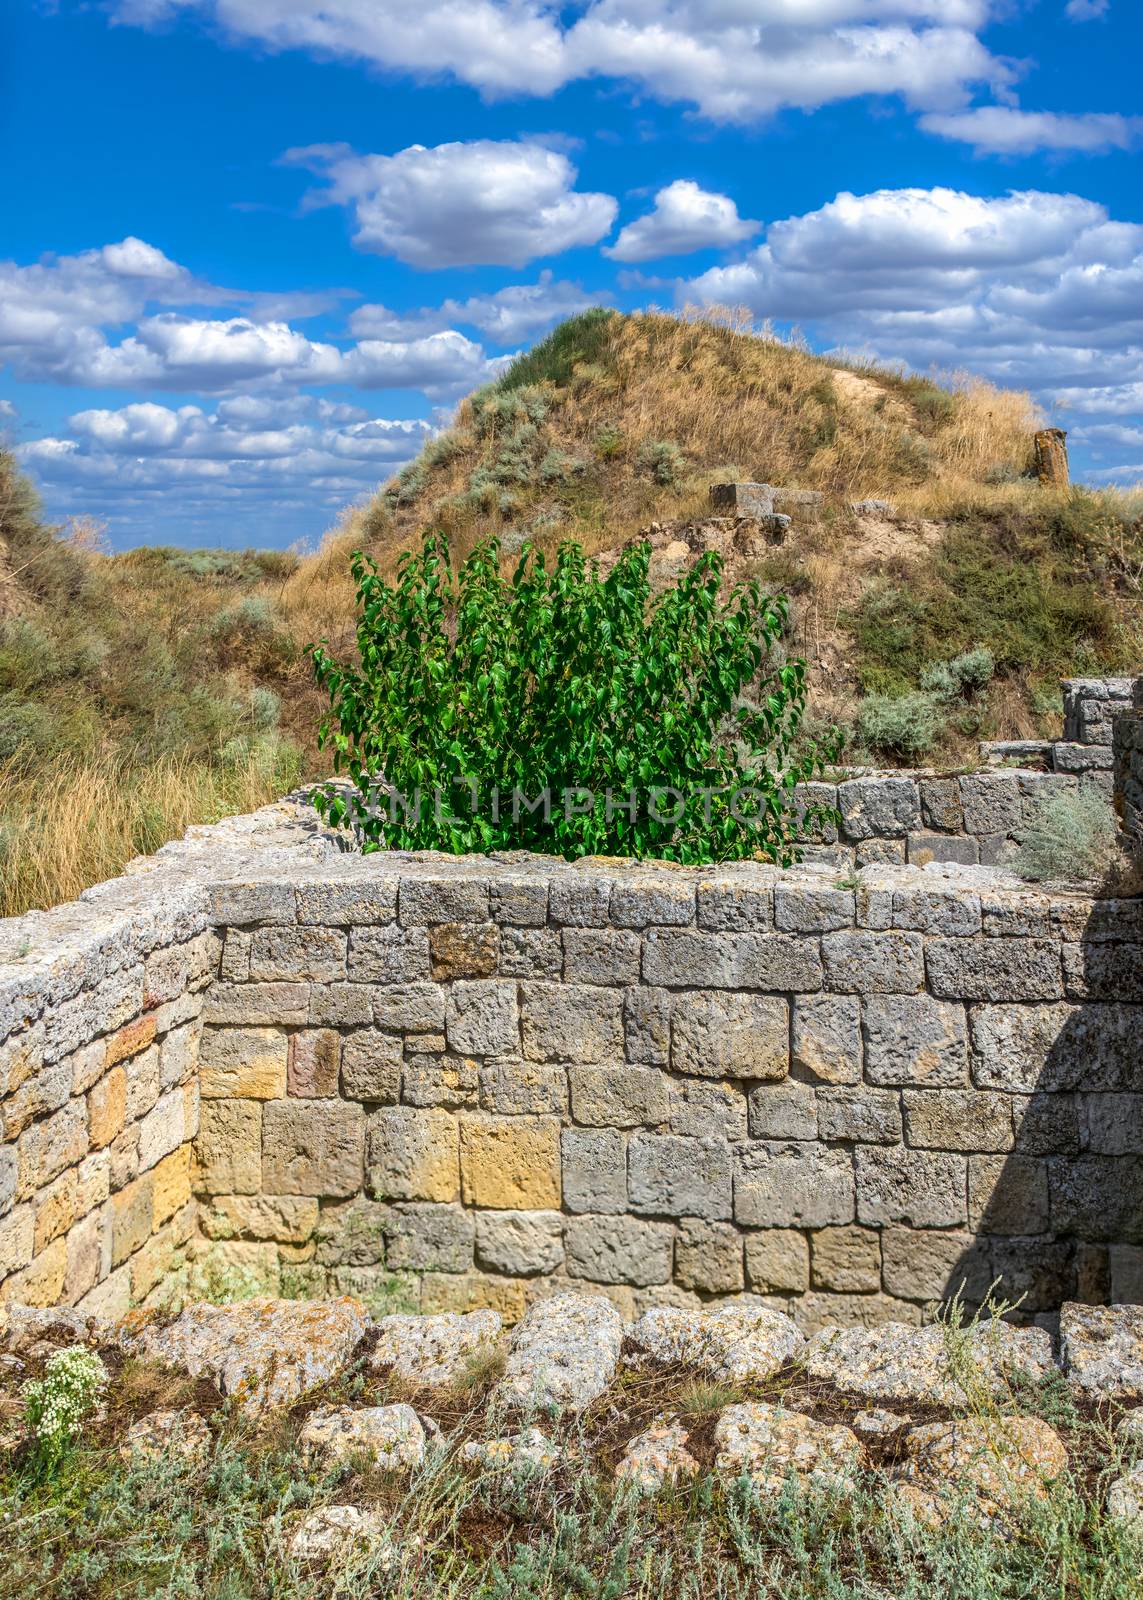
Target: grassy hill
{"x":142,"y":692}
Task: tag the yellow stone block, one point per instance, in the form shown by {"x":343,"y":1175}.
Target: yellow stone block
{"x":55,"y":1209}
{"x":510,"y":1163}
{"x":247,"y":1063}
{"x":172,"y":1181}
{"x":107,"y":1108}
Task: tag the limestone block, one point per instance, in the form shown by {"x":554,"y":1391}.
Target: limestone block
{"x":312,"y":1147}
{"x":292,"y":955}
{"x":921,"y":1187}
{"x":464,"y":950}
{"x":424,"y":901}
{"x":619,"y":1249}
{"x":708,"y":1257}
{"x":481,"y":1019}
{"x":594,"y":1170}
{"x":520,"y":1243}
{"x":777,"y":1261}
{"x":994,"y":969}
{"x":682,"y":959}
{"x":563,"y":1354}
{"x":879,"y":807}
{"x":124,"y":1153}
{"x":235,"y":964}
{"x":879,"y":853}
{"x":313,"y":1064}
{"x":462,"y":1293}
{"x":46,"y":1088}
{"x":530,"y":953}
{"x":351,"y":1233}
{"x":861,"y":962}
{"x":522,"y":904}
{"x":1096,"y":971}
{"x":9,"y":1176}
{"x":1053,"y":1047}
{"x":41,"y":1283}
{"x":601,"y":955}
{"x":162,"y":1130}
{"x":410,"y":1008}
{"x":952,"y":912}
{"x":826,"y":1037}
{"x":143,"y":1081}
{"x":932,"y":1264}
{"x":647,"y":1025}
{"x":132,"y":1218}
{"x":389,"y":954}
{"x":1049,"y":1124}
{"x":662,"y":900}
{"x":510,"y":1163}
{"x":570,"y":1022}
{"x":55,"y":1209}
{"x":1112,"y":1124}
{"x":129,"y":1040}
{"x":413,"y":1155}
{"x":808,"y":908}
{"x":1097,"y":1197}
{"x":921,"y":848}
{"x":732,"y":1344}
{"x":107,"y":1108}
{"x":246,"y":903}
{"x":341,"y":1005}
{"x":783,"y":1111}
{"x":676,"y":1177}
{"x":768,"y":1443}
{"x":280,"y":1005}
{"x":371,"y":1066}
{"x":48,"y":1146}
{"x":727,"y":1035}
{"x":171,"y":1185}
{"x":243,"y":1063}
{"x":178,"y":1056}
{"x":17,"y":1239}
{"x":914,"y":1039}
{"x":1008,"y":1194}
{"x":577,"y":900}
{"x":792,"y":1184}
{"x":429,"y":1238}
{"x":991,"y":802}
{"x":863,"y":1116}
{"x":440,"y":1080}
{"x":618,"y":1097}
{"x":351,"y":902}
{"x":229,"y":1148}
{"x":957,"y":1119}
{"x":84,"y":1258}
{"x":517,"y":1087}
{"x":846,"y":1259}
{"x":725,"y":906}
{"x":701,"y":1108}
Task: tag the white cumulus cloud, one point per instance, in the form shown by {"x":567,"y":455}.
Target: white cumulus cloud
{"x":497,"y":202}
{"x":510,"y":315}
{"x":685,"y":218}
{"x":1005,"y":130}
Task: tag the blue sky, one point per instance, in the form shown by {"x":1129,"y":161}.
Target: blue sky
{"x":254,"y":250}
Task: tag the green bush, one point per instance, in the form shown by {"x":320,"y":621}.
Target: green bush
{"x":907,"y":725}
{"x":662,"y":460}
{"x":610,"y":442}
{"x":486,"y":693}
{"x":1069,"y":835}
{"x":962,"y":677}
{"x":579,"y":340}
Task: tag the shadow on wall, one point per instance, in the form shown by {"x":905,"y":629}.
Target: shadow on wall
{"x":1060,"y":1216}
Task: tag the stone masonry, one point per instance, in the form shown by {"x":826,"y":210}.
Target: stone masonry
{"x":494,"y":1076}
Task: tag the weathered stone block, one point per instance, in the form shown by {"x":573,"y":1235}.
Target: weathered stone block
{"x":879,"y":807}
{"x":423,"y":901}
{"x":792,"y":1185}
{"x":783,"y":1111}
{"x":708,"y":1257}
{"x":777,"y":1261}
{"x":142,"y":1083}
{"x":952,"y":912}
{"x":647,"y":1025}
{"x":243,"y":1063}
{"x":84,"y":1247}
{"x":661,"y":899}
{"x":810,"y":908}
{"x":350,"y":902}
{"x":129,"y":1040}
{"x":1097,"y":1198}
{"x":517,"y":1087}
{"x":727,"y":906}
{"x":292,"y":955}
{"x":235,"y":964}
{"x":510,"y":1163}
{"x":282,"y":1005}
{"x":440,"y":1080}
{"x":726,"y":1035}
{"x":521,"y":904}
{"x":594,"y":1165}
{"x":464,"y":950}
{"x":246,"y":903}
{"x":162,"y":1130}
{"x":410,"y":1008}
{"x":607,"y":1249}
{"x":941,"y":804}
{"x":675,"y":1177}
{"x":389,"y":954}
{"x":826,"y":1037}
{"x":622,"y":1096}
{"x":352,"y":1233}
{"x":683,"y":959}
{"x":48,"y":1146}
{"x":991,"y":802}
{"x":862,"y":1116}
{"x":412,"y":1154}
{"x":914,"y":1040}
{"x":579,"y":900}
{"x":481,"y":1019}
{"x":601,"y":955}
{"x":17,"y":1239}
{"x":1098,"y":971}
{"x":341,"y":1005}
{"x":520,"y":1243}
{"x":132,"y":1212}
{"x":55,"y":1209}
{"x":1049,"y":1124}
{"x":371,"y":1066}
{"x":994,"y":969}
{"x":570,"y":1022}
{"x":312,"y":1147}
{"x":1008,"y":1194}
{"x":957,"y":1119}
{"x":931,"y":1265}
{"x":846,"y":1259}
{"x":921,"y":848}
{"x":924,"y":1188}
{"x":107,"y":1108}
{"x":428,"y":1238}
{"x":860,"y":962}
{"x":700,"y":1108}
{"x":1053,"y":1047}
{"x":531,"y":953}
{"x":313,"y":1064}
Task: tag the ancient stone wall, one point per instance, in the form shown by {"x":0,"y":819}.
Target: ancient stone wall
{"x":1128,"y":754}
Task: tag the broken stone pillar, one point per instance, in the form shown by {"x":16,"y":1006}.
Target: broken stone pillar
{"x":1051,"y":458}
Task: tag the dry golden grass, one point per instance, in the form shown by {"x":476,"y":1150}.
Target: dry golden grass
{"x":76,"y":821}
